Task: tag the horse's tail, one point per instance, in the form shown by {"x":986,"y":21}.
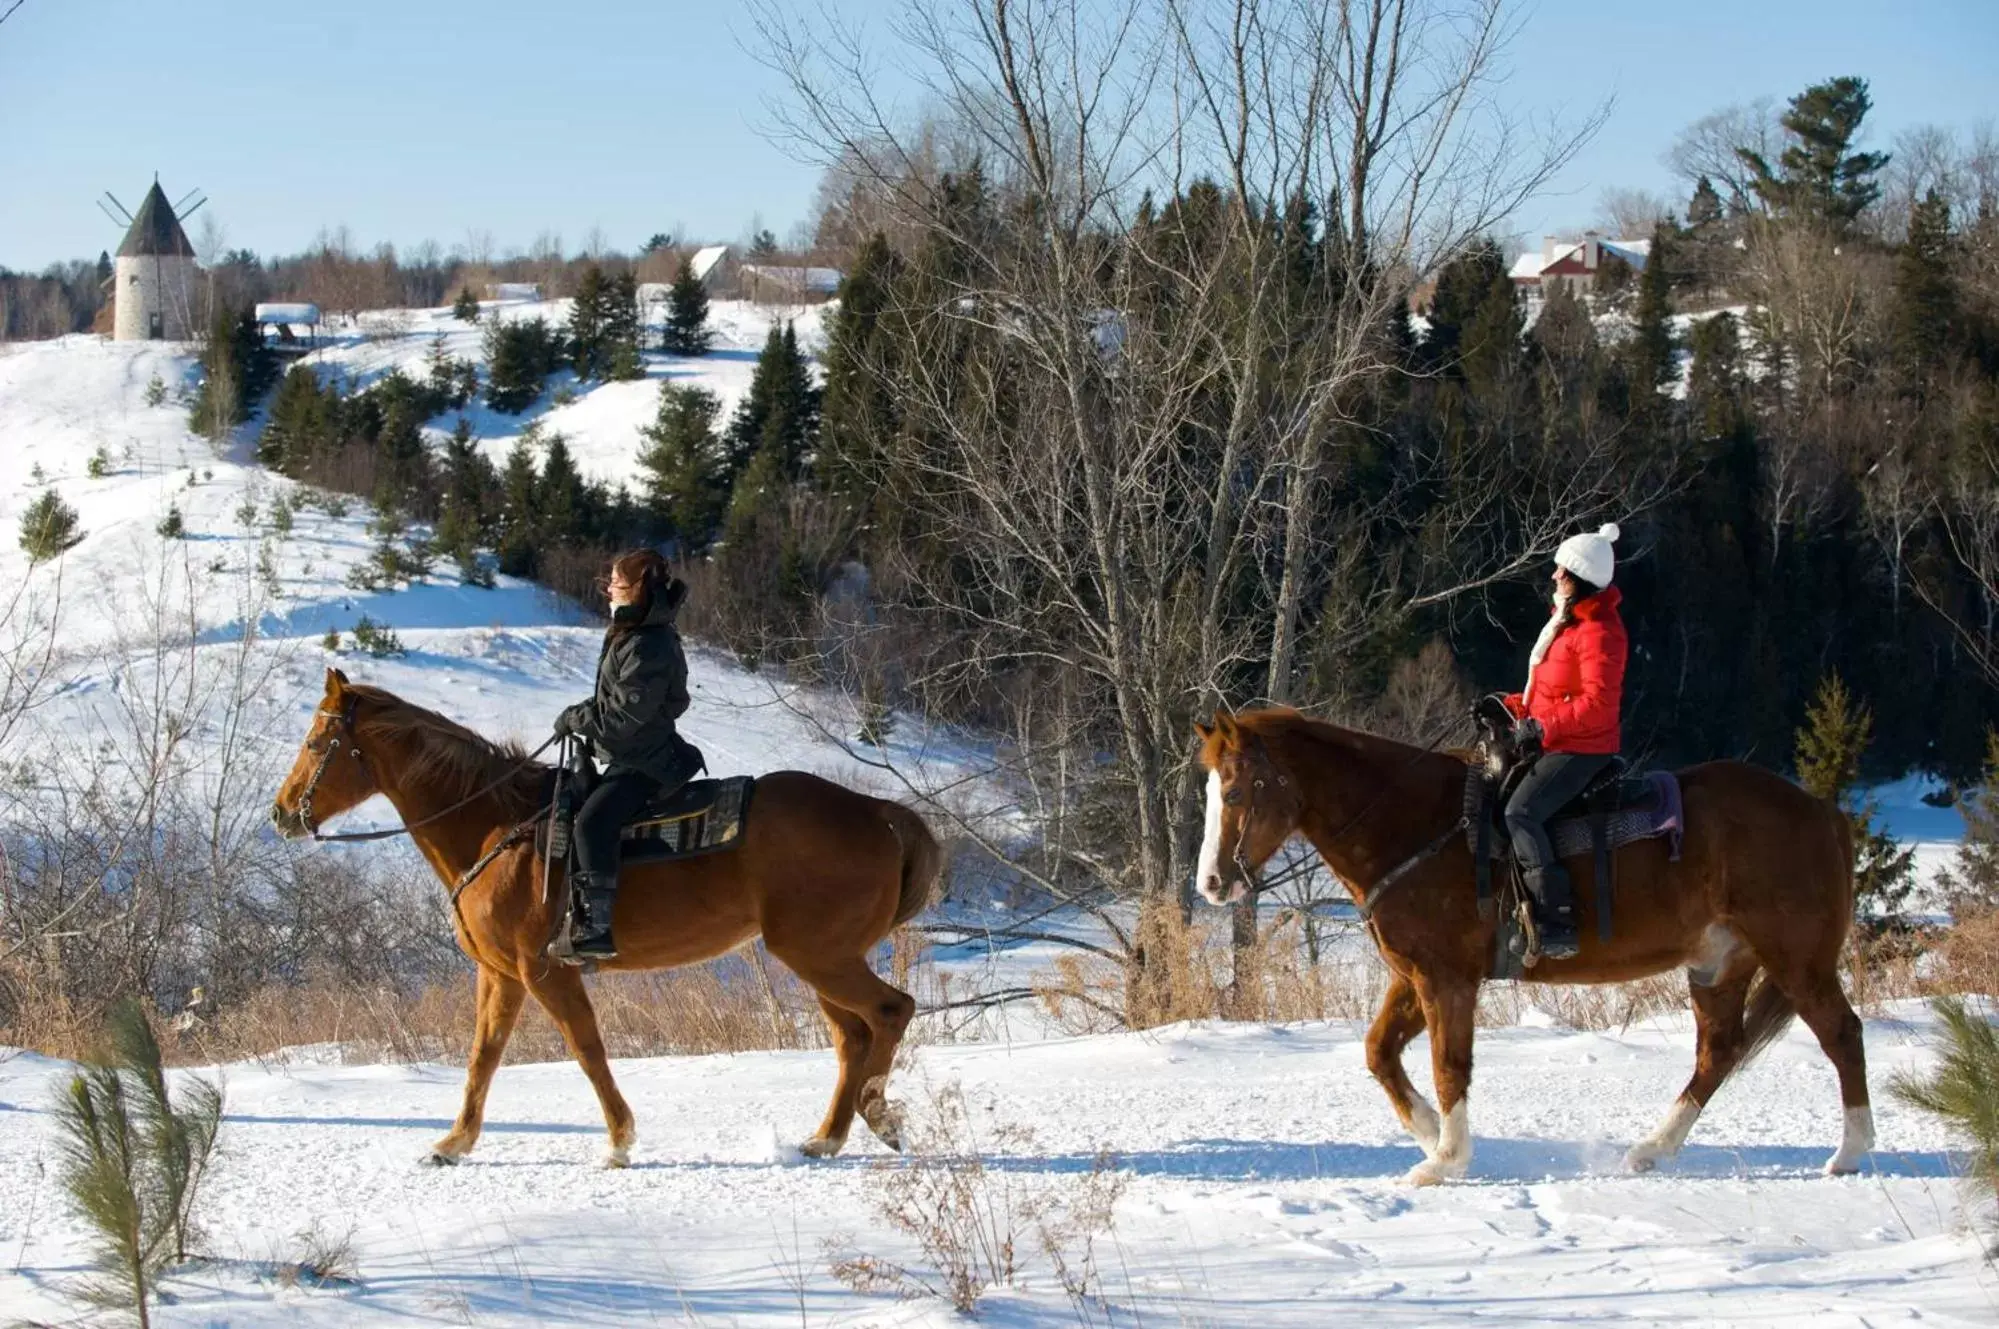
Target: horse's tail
{"x":922,"y":861}
{"x":1770,"y":1013}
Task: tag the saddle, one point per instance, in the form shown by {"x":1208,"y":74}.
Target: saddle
{"x":1615,"y":809}
{"x":700,"y":817}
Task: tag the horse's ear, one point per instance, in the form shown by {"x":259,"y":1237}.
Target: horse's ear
{"x":1225,"y":724}
{"x":335,"y":680}
{"x":1205,"y":731}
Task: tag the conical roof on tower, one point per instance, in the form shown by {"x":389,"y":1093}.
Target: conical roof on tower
{"x":156,"y":231}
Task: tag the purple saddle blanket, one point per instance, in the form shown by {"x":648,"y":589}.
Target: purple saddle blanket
{"x":1657,"y":813}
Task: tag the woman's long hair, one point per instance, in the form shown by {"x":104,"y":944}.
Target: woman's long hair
{"x":648,"y":571}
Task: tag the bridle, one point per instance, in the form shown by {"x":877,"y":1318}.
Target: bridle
{"x":1371,"y":897}
{"x":344,"y":717}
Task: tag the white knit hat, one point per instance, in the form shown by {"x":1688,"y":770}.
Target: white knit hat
{"x":1588,"y":555}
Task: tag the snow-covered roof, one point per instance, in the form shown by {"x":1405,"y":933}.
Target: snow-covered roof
{"x":826,"y":280}
{"x":1530,"y":265}
{"x":294,"y":312}
{"x":1527,"y":267}
{"x":705,"y":259}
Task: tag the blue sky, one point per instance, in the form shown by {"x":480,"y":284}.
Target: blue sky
{"x":429,"y":119}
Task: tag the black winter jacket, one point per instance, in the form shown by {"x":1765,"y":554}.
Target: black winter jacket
{"x":641,"y":691}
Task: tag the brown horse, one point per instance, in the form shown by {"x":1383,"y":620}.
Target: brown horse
{"x":822,"y":873}
{"x":1764,"y":886}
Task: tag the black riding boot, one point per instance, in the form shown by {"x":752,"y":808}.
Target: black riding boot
{"x":593,"y":928}
{"x":1555,"y":903}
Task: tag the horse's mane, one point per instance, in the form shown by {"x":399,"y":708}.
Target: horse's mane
{"x":451,"y":758}
{"x":1274,"y":721}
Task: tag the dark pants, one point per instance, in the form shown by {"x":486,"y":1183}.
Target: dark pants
{"x":1554,"y":779}
{"x":620,"y":793}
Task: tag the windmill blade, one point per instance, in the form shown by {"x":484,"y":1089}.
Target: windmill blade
{"x":189,"y":212}
{"x":111,"y":216}
{"x":123,"y":211}
{"x":183,"y":202}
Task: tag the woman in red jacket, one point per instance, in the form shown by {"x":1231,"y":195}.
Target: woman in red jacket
{"x":1568,"y":714}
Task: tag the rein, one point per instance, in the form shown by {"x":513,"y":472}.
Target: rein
{"x":1371,"y":897}
{"x":518,"y":832}
{"x":346,"y":719}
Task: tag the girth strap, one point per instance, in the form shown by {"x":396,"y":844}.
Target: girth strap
{"x":1599,"y":835}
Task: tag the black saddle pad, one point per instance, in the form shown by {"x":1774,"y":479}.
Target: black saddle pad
{"x":698,"y":818}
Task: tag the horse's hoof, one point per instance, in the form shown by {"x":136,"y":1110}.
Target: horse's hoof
{"x":820,"y":1146}
{"x":437,"y":1158}
{"x":1839,"y":1167}
{"x":618,"y":1157}
{"x":1644,"y":1157}
{"x":1430,"y":1172}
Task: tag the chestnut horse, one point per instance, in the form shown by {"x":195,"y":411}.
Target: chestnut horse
{"x":1763,"y":886}
{"x":821,"y":872}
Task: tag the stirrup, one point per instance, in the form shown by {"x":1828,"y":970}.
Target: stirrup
{"x":1558,"y":940}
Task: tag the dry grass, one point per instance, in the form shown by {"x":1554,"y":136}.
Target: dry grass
{"x":979,"y":1227}
{"x":731,"y":1005}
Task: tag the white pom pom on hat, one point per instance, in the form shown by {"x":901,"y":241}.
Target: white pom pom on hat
{"x":1589,"y":555}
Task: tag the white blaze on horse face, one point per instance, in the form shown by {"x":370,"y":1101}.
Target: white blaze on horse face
{"x":1208,"y":876}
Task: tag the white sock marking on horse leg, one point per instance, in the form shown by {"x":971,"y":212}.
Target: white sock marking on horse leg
{"x":1453,"y":1156}
{"x":1424,"y":1123}
{"x":1208,"y":876}
{"x":1858,"y":1140}
{"x":1665,"y":1141}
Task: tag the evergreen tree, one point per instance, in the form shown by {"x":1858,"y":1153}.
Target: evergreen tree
{"x":1704,"y":208}
{"x":1830,"y":746}
{"x":780,"y":414}
{"x":402,"y":465}
{"x":1714,"y":380}
{"x":466,"y":308}
{"x":1925,"y":302}
{"x":562,"y":503}
{"x":518,"y":484}
{"x":1817,"y":177}
{"x":519,"y":356}
{"x":858,"y":412}
{"x":1650,"y":350}
{"x":681,"y":461}
{"x":763,"y":245}
{"x":1463,"y":287}
{"x":49,"y":527}
{"x":1971,"y":884}
{"x":621,"y":329}
{"x":687,"y":314}
{"x":587,"y":317}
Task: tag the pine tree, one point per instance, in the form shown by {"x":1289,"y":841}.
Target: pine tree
{"x":402,"y":464}
{"x":1714,"y":380}
{"x":681,"y":461}
{"x":1925,"y":302}
{"x":1963,"y":1087}
{"x":466,"y":308}
{"x":1972,"y":882}
{"x":859,"y":414}
{"x":49,"y":527}
{"x":1830,"y":746}
{"x":687,"y":314}
{"x":519,"y":483}
{"x":1817,"y":178}
{"x":563,"y":513}
{"x":1704,"y":208}
{"x":1650,"y":350}
{"x":586,"y":324}
{"x":622,"y":362}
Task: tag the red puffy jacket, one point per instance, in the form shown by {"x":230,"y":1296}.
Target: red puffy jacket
{"x":1579,"y":686}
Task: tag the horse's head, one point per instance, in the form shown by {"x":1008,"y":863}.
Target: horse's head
{"x":1252,"y":809}
{"x":329,"y":776}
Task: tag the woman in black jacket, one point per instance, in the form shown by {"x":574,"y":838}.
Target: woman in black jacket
{"x":628,"y":723}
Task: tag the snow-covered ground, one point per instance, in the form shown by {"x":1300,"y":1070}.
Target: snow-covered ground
{"x":1263,"y":1189}
{"x":1263,"y":1162}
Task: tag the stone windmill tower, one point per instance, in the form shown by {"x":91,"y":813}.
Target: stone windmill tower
{"x":153,"y":285}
